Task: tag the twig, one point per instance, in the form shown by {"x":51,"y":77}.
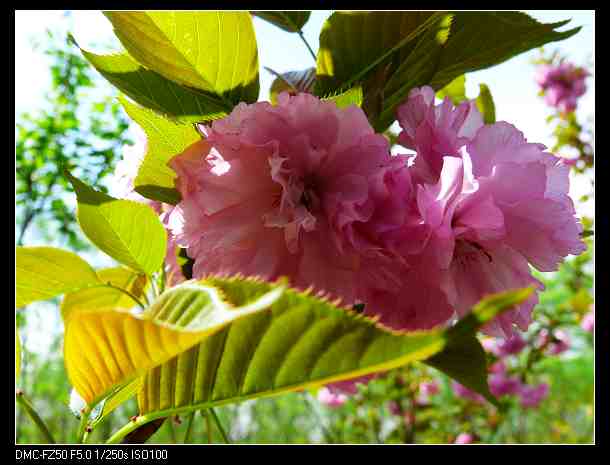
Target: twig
{"x":29,"y":409}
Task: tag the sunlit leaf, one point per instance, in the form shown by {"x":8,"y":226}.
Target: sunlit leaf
{"x":46,"y":272}
{"x":128,"y":231}
{"x":104,"y":297}
{"x":455,"y":90}
{"x":301,"y":342}
{"x":214,"y":51}
{"x":107,"y":347}
{"x":165,"y":138}
{"x":352,"y":96}
{"x":154,"y":91}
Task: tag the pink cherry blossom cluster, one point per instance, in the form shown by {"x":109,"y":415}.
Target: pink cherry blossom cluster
{"x":307,"y":190}
{"x":562,"y":84}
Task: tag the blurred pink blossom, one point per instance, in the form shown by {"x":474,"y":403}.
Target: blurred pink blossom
{"x":588,"y":322}
{"x":464,"y":438}
{"x":330,"y":399}
{"x":562,"y":84}
{"x":532,"y":396}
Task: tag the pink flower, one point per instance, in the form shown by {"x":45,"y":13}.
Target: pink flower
{"x":562,"y":85}
{"x":511,"y":346}
{"x":560,"y":343}
{"x":429,"y":388}
{"x":501,"y":385}
{"x":588,"y":322}
{"x":426,"y":390}
{"x":466,"y":256}
{"x":435,"y":131}
{"x":302,"y":189}
{"x":394,"y":408}
{"x":330,"y":399}
{"x":498,"y":367}
{"x":462,"y":391}
{"x":532,"y":396}
{"x":479,"y":232}
{"x":464,"y":438}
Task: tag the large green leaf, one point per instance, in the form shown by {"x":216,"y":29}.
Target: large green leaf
{"x":355,"y":44}
{"x":291,"y":21}
{"x":165,"y":138}
{"x":101,"y":297}
{"x":301,"y":342}
{"x":212,"y":51}
{"x":128,"y":231}
{"x":479,"y":40}
{"x":46,"y":272}
{"x":415,"y":70}
{"x":154,"y":91}
{"x":354,"y":47}
{"x":120,"y":346}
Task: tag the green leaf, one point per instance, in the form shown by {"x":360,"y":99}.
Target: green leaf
{"x":463,"y":358}
{"x":479,"y":40}
{"x":130,"y":232}
{"x":292,"y":82}
{"x":301,"y":342}
{"x":46,"y":272}
{"x":291,"y":21}
{"x":354,"y":44}
{"x":116,"y":399}
{"x":455,"y":90}
{"x":352,"y":96}
{"x":415,"y":70}
{"x":485,"y":104}
{"x":100,"y":297}
{"x":212,"y":51}
{"x":154,"y":91}
{"x":165,"y":139}
{"x":104,"y":348}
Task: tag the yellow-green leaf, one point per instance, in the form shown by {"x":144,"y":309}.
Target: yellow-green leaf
{"x":301,"y":342}
{"x":214,"y":51}
{"x":46,"y":272}
{"x":128,"y":231}
{"x":165,"y":139}
{"x":156,"y":92}
{"x":107,"y":297}
{"x":107,"y":347}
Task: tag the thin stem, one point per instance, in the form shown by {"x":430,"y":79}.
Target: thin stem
{"x":29,"y":409}
{"x":219,"y":426}
{"x":189,"y":427}
{"x":82,"y":427}
{"x":154,"y":287}
{"x":208,"y":425}
{"x":315,"y":59}
{"x":127,"y":293}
